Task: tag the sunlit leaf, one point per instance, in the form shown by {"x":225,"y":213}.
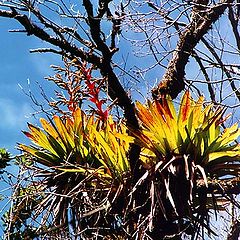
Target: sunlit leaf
{"x":193,"y":131}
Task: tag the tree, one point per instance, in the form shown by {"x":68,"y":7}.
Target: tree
{"x":151,"y":175}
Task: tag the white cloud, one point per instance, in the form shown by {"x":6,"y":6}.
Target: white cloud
{"x":42,"y":63}
{"x":13,"y":115}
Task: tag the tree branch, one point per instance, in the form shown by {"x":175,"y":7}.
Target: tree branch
{"x":205,"y":74}
{"x":115,"y":89}
{"x":173,"y":80}
{"x":234,"y":23}
{"x":32,"y":29}
{"x":224,"y":69}
{"x":235,"y":231}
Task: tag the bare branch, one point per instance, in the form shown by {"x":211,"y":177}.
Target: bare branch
{"x":231,"y":186}
{"x":203,"y":69}
{"x":224,"y":69}
{"x":173,"y":80}
{"x":234,"y":22}
{"x":115,"y":89}
{"x":32,"y":29}
{"x":235,"y":231}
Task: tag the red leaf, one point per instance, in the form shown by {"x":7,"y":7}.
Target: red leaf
{"x":105,"y":113}
{"x":185,"y":105}
{"x":166,"y":107}
{"x":29,"y":135}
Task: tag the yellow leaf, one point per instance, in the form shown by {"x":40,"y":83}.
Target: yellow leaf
{"x":63,"y":132}
{"x":230,"y":154}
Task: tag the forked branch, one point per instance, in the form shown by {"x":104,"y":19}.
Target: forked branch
{"x":203,"y":18}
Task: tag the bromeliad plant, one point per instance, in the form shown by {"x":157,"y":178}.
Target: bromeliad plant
{"x":194,"y":131}
{"x":83,"y":158}
{"x":81,"y":142}
{"x":86,"y":166}
{"x":183,"y":148}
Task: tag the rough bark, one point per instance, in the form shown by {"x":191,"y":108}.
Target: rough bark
{"x":172,"y":82}
{"x":115,"y":89}
{"x":235,"y":231}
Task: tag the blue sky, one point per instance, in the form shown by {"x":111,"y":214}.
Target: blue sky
{"x":18,"y":66}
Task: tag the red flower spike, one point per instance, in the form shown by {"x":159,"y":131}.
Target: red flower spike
{"x":91,"y":86}
{"x":93,"y":93}
{"x":99,"y":104}
{"x":93,"y":99}
{"x":105,"y":113}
